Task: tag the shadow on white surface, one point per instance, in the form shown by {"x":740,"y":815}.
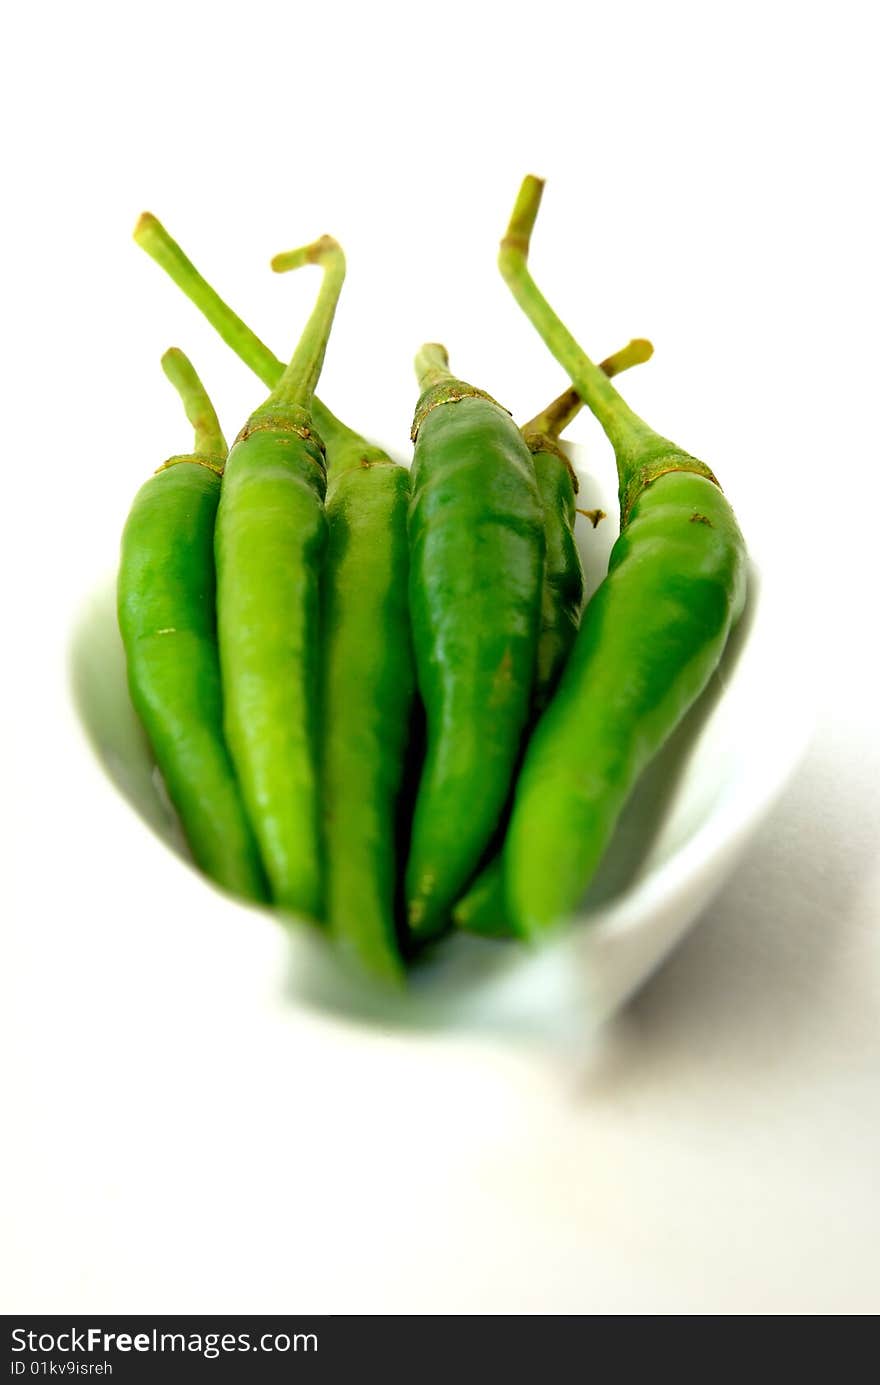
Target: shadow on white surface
{"x":766,"y":973}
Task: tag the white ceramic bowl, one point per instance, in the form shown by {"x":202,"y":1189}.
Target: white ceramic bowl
{"x":689,"y":820}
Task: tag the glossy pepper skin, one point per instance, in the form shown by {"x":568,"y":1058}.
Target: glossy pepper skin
{"x":562,"y":590}
{"x":269,"y":543}
{"x":269,"y":546}
{"x":482,"y":909}
{"x":367,"y":693}
{"x":476,"y":542}
{"x":166,"y":605}
{"x":650,"y":640}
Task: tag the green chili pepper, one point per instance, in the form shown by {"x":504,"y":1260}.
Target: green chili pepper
{"x":368,"y":687}
{"x":563,"y":588}
{"x":482,"y":909}
{"x":271,"y":533}
{"x":367,"y":679}
{"x":367,"y":691}
{"x":476,"y":556}
{"x":168,"y":624}
{"x":650,"y":640}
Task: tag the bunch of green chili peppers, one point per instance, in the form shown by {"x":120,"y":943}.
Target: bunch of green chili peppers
{"x":372,"y":691}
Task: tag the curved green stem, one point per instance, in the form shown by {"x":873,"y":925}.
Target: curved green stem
{"x":558,"y":415}
{"x":209,"y":440}
{"x":432,"y":365}
{"x":152,"y":237}
{"x":297,"y":384}
{"x":633,"y":440}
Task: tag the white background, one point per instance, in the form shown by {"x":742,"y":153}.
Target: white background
{"x":181,"y":1136}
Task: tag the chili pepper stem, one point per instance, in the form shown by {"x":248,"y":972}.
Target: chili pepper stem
{"x":642,"y":454}
{"x":558,"y":415}
{"x":209,"y":439}
{"x":595,"y":389}
{"x":432,"y":365}
{"x":151,"y":236}
{"x":297,"y":385}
